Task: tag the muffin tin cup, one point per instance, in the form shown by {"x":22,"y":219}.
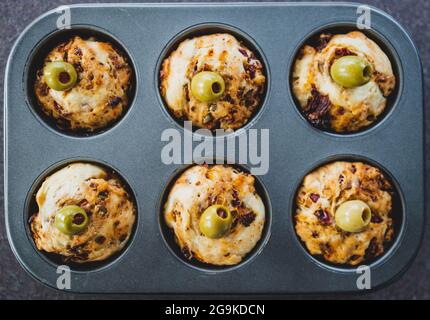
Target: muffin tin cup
{"x":31,"y":208}
{"x":343,"y":28}
{"x":169,"y":236}
{"x":398,"y":215}
{"x":36,"y":60}
{"x":203,"y":29}
{"x":133,"y":147}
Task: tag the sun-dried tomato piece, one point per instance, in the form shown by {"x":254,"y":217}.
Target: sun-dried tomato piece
{"x":372,"y":249}
{"x":326,"y":249}
{"x":342,"y":52}
{"x":250,"y":69}
{"x":243,"y":52}
{"x":323,"y":217}
{"x":187,"y":253}
{"x":100,"y":239}
{"x":314,"y":197}
{"x":376,"y":218}
{"x":323,"y":41}
{"x":247,"y":219}
{"x":317,"y":109}
{"x":114,"y":101}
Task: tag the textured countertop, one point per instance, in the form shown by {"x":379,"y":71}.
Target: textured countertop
{"x":15,"y":283}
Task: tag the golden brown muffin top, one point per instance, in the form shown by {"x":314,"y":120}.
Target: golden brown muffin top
{"x":111,"y":212}
{"x":221,"y":53}
{"x":101,"y":94}
{"x":202,"y":186}
{"x":328,"y":105}
{"x":323,"y":191}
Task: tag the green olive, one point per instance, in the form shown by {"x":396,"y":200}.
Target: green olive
{"x":59,"y":75}
{"x":71,"y":220}
{"x":215,"y":221}
{"x":351,"y":71}
{"x":353,"y":216}
{"x":207,"y":86}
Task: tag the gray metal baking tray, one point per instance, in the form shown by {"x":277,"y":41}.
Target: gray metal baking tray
{"x":146,"y":32}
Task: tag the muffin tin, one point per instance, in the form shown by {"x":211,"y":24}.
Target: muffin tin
{"x":34,"y":148}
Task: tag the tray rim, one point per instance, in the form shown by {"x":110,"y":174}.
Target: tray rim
{"x":204,"y":4}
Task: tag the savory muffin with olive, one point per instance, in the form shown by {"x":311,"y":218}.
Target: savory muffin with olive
{"x":343,"y":84}
{"x":85,"y":214}
{"x":84,"y":85}
{"x":215,"y":213}
{"x":344,"y":212}
{"x":214,"y":81}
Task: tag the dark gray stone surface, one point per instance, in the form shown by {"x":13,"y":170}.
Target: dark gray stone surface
{"x":15,"y":283}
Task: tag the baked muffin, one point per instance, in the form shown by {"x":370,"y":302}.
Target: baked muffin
{"x":344,"y":212}
{"x":85,"y":214}
{"x":214,"y":81}
{"x":215,"y":213}
{"x":343,"y":84}
{"x":84,"y":85}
